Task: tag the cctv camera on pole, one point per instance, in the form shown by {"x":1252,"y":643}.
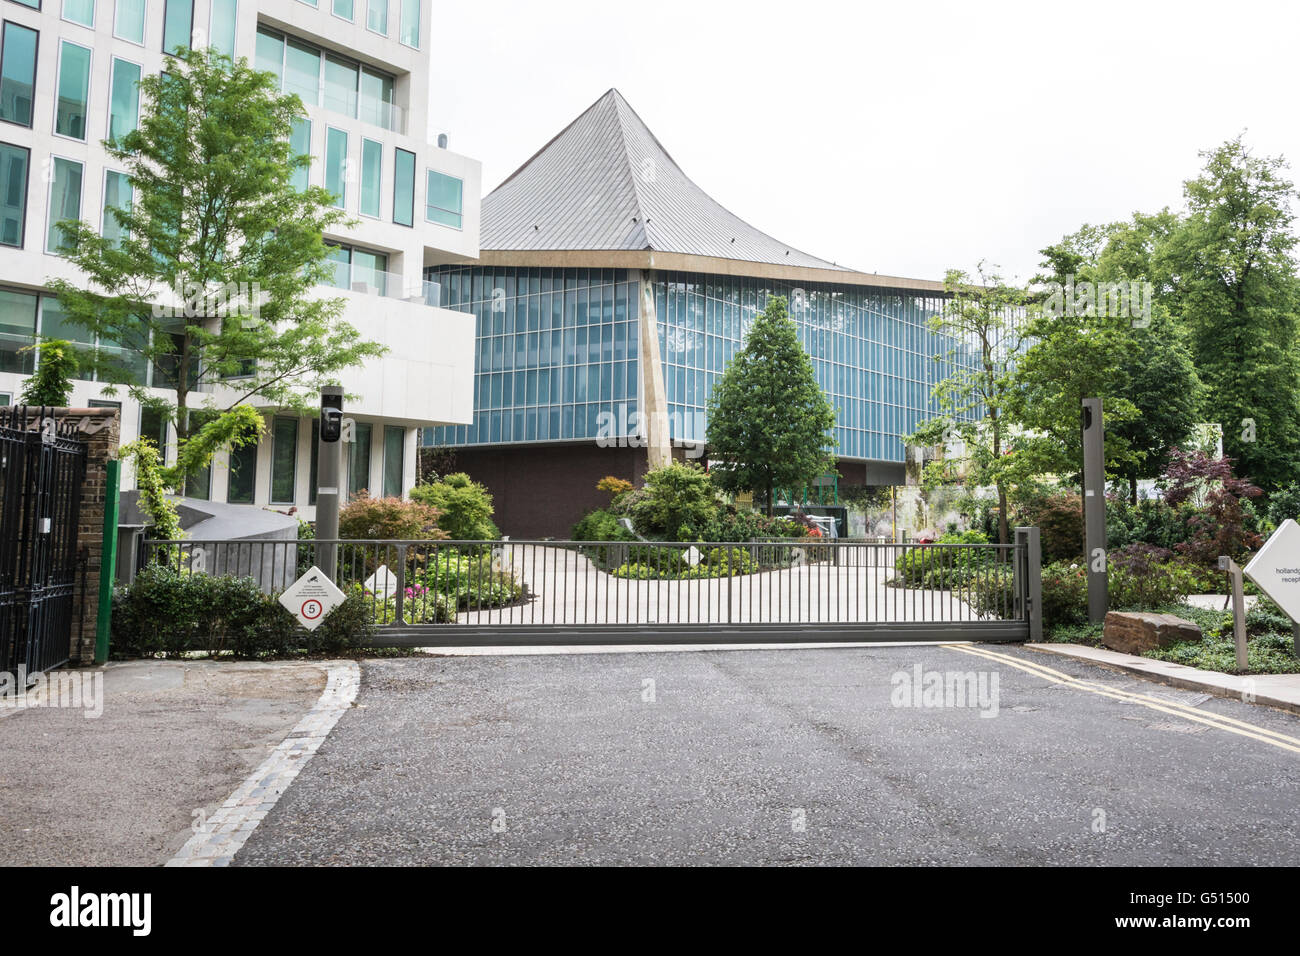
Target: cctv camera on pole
{"x":329,"y":468}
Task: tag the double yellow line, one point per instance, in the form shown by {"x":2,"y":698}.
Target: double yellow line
{"x":1228,"y":724}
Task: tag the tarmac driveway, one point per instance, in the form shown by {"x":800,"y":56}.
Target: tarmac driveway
{"x":787,"y":756}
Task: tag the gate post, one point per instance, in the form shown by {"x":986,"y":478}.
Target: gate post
{"x":1030,"y":589}
{"x":108,"y":559}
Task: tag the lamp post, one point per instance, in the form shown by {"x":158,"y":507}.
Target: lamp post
{"x":329,"y":468}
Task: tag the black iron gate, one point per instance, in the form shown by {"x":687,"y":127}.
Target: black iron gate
{"x":42,"y":464}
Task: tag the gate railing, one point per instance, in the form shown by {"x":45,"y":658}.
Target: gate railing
{"x":42,"y":464}
{"x":418,"y":587}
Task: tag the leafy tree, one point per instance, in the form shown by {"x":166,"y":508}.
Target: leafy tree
{"x":465,"y":506}
{"x":1220,"y":523}
{"x":1233,"y":268}
{"x":769,"y":422}
{"x":1137,"y":360}
{"x":984,"y":319}
{"x":52,"y":382}
{"x":211,"y":279}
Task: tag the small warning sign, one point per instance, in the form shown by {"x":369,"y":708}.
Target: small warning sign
{"x":311,"y":598}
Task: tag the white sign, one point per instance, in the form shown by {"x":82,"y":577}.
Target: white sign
{"x":1276,"y":568}
{"x":693,"y":556}
{"x":383,"y":583}
{"x":311,"y":597}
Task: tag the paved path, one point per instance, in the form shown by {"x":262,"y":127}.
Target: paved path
{"x":125,"y":788}
{"x":567,"y":588}
{"x":787,"y":757}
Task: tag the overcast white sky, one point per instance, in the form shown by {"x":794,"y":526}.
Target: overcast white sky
{"x":902,"y":137}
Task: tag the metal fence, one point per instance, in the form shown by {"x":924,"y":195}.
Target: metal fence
{"x":430,"y":593}
{"x":42,"y":465}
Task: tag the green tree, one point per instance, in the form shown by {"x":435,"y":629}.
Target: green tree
{"x":211,"y":281}
{"x":984,"y":319}
{"x":52,"y":382}
{"x":769,"y":422}
{"x":1235,"y":289}
{"x":1136,"y":359}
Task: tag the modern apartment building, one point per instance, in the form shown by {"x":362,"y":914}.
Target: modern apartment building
{"x":68,"y":75}
{"x":610,"y":293}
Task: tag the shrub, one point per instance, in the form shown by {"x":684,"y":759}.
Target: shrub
{"x":921,"y":567}
{"x":614,"y":487}
{"x":384,"y":519}
{"x":600,"y":525}
{"x":168,"y":612}
{"x":730,"y":525}
{"x":468,"y":581}
{"x":676,"y":500}
{"x":715,"y":563}
{"x":1142,"y":577}
{"x":464,"y":506}
{"x":1060,"y":527}
{"x":1223,"y":522}
{"x":1284,"y":503}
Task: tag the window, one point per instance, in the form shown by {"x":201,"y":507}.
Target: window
{"x":359,"y":459}
{"x":409,"y":31}
{"x":34,"y":4}
{"x":17,"y":74}
{"x":314,"y":474}
{"x":302,"y":71}
{"x":117,"y":195}
{"x":268,"y":55}
{"x":336,"y":165}
{"x":394,"y":462}
{"x":178,"y":24}
{"x":377,"y":16}
{"x":335,"y":82}
{"x":376,"y":104}
{"x":343,"y":8}
{"x":13,"y":194}
{"x":372,"y":162}
{"x":300,"y":142}
{"x":79,"y":11}
{"x":17,"y":331}
{"x":442,"y":199}
{"x":404,"y":188}
{"x":74,"y":90}
{"x":341,"y":86}
{"x":284,"y":460}
{"x":128,"y":20}
{"x":223,"y":26}
{"x":65,"y":202}
{"x":153,"y":426}
{"x":54,"y":324}
{"x":241,"y":483}
{"x":358,"y":269}
{"x":198,"y":484}
{"x":123,"y":98}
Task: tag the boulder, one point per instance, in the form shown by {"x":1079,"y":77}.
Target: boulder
{"x":1131,"y":632}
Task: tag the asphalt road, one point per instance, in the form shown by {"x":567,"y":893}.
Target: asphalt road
{"x":786,"y":757}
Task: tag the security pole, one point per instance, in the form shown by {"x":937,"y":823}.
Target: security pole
{"x":329,"y":469}
{"x":1094,"y":509}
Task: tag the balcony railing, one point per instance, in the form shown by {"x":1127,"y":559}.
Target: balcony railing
{"x":388,"y":285}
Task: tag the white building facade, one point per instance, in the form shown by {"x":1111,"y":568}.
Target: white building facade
{"x":68,"y":74}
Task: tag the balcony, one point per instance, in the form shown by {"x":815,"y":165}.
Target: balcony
{"x":363,"y":280}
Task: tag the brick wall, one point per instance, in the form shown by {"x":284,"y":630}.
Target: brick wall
{"x":100,"y":428}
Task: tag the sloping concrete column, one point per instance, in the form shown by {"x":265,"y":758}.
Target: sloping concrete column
{"x":654,"y":398}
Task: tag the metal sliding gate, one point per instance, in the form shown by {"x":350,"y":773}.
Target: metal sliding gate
{"x":461,"y":593}
{"x":42,"y":465}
